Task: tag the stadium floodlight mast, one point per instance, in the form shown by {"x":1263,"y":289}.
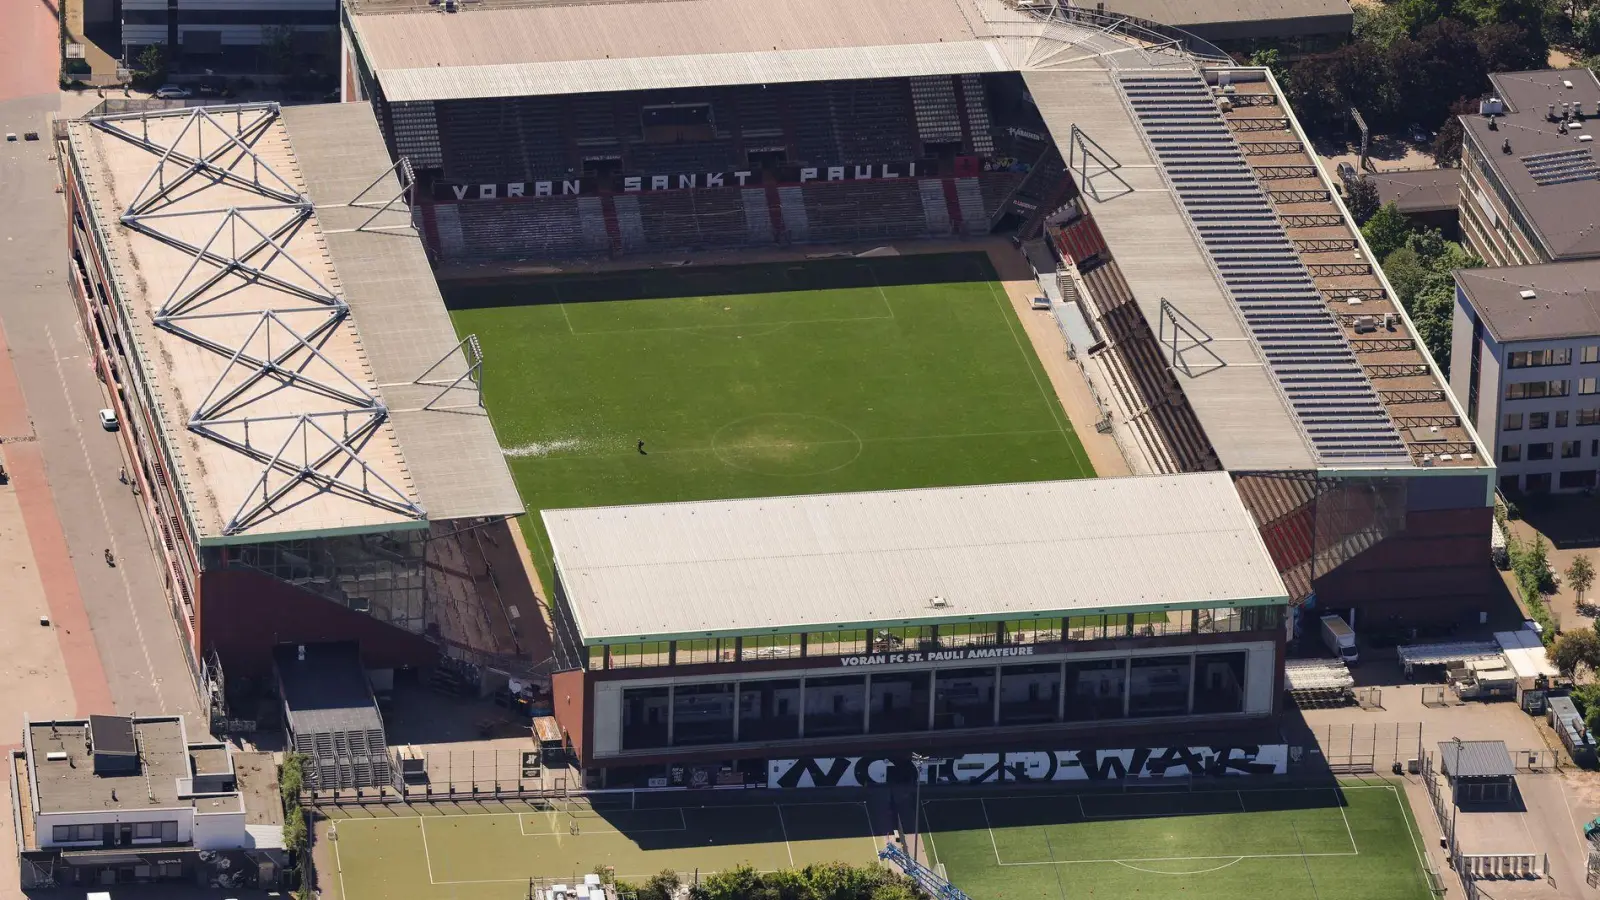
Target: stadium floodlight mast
{"x":921,"y":761}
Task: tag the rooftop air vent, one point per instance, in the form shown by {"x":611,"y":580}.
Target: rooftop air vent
{"x":1529,"y":294}
{"x":938,"y":602}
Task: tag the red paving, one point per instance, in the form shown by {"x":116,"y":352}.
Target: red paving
{"x":25,"y":462}
{"x":28,"y":63}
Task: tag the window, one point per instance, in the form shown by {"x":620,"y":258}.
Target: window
{"x":1589,"y":354}
{"x":1219,"y":682}
{"x":146,"y":830}
{"x":1510,"y":484}
{"x":705,"y":650}
{"x":702,"y":713}
{"x":1032,"y":631}
{"x":1571,"y":449}
{"x":644,"y":717}
{"x":769,"y":710}
{"x":646,"y":655}
{"x":1594,"y":447}
{"x":1159,"y":686}
{"x":770,"y":646}
{"x":169,"y":832}
{"x":967,"y":634}
{"x":1580,"y":478}
{"x":836,"y":643}
{"x":1561,"y":419}
{"x":1096,"y":689}
{"x":1511,"y":453}
{"x":1538,"y":420}
{"x":898,"y":701}
{"x":1586,"y":386}
{"x":835,"y":706}
{"x":1029,"y":694}
{"x":1533,"y":358}
{"x":1530,"y":390}
{"x":1539,"y":484}
{"x":1513,"y":422}
{"x":1541,"y":452}
{"x":1589,"y":417}
{"x":66,"y":834}
{"x":963,"y":698}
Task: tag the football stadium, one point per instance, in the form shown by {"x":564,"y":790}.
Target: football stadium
{"x":718,"y":307}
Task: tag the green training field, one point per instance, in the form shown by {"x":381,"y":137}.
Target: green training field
{"x":491,"y":851}
{"x":1355,"y":842}
{"x":832,"y":375}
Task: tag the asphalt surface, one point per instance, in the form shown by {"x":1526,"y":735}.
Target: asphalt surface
{"x":127,"y":606}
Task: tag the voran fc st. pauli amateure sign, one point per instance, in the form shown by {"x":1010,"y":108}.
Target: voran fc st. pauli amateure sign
{"x":630,"y":184}
{"x":883,"y":659}
{"x":1037,"y":765}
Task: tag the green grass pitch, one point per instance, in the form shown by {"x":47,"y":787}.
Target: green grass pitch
{"x":829,"y":375}
{"x":490,"y":850}
{"x":1356,"y":842}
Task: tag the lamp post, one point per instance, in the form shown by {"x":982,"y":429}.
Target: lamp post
{"x":921,"y":762}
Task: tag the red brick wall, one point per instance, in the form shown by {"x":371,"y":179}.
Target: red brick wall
{"x":245,"y":614}
{"x":570,"y":692}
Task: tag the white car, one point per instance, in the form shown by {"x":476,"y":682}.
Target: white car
{"x":108,"y":419}
{"x":173,"y":92}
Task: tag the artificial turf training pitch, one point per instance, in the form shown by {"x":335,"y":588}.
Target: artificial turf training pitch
{"x":766,"y":380}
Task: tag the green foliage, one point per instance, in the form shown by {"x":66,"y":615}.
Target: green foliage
{"x":1420,"y":272}
{"x":1530,"y":564}
{"x":1576,"y":650}
{"x":291,"y":779}
{"x":1361,"y":196}
{"x":829,"y":881}
{"x":1580,"y":576}
{"x":1386,"y":231}
{"x":1380,"y":26}
{"x":152,"y":62}
{"x":661,"y":886}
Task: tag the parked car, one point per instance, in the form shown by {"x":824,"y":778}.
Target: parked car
{"x":173,"y":92}
{"x":1347,"y":172}
{"x":1419,"y":135}
{"x":108,"y":419}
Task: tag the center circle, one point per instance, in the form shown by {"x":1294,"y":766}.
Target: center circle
{"x":786,"y":444}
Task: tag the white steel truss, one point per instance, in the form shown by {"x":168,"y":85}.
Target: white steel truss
{"x":244,"y":280}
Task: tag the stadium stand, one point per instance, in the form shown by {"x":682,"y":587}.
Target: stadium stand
{"x":864,"y":210}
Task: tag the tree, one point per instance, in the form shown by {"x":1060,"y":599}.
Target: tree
{"x":1447,"y":143}
{"x":278,"y":50}
{"x":1580,"y":576}
{"x":1575,"y":650}
{"x":152,"y":63}
{"x":1386,"y":230}
{"x":1506,"y":47}
{"x":1361,"y":195}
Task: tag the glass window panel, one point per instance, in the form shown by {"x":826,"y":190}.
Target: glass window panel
{"x":1030,"y":694}
{"x":835,"y":705}
{"x":1159,"y":686}
{"x":62,"y":832}
{"x":705,"y":650}
{"x":1513,"y":422}
{"x":769,"y":710}
{"x":967,"y":634}
{"x":702,"y":713}
{"x":88,"y":832}
{"x":650,"y":654}
{"x":963,"y":698}
{"x":1538,"y":420}
{"x":169,"y":831}
{"x":1095,"y":689}
{"x":836,"y":643}
{"x":1219,"y":682}
{"x":899,"y":702}
{"x":644,"y":718}
{"x":772,"y":646}
{"x":1032,"y":631}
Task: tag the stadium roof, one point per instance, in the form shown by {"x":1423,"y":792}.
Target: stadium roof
{"x":530,"y":49}
{"x":265,"y":396}
{"x":831,"y":561}
{"x":450,"y":445}
{"x":1565,"y":301}
{"x":1559,"y":210}
{"x":1233,"y":20}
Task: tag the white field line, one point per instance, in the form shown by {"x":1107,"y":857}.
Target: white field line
{"x":788,"y":847}
{"x":989,"y":827}
{"x":1154,"y":859}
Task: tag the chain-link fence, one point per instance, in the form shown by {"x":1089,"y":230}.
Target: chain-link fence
{"x":1370,"y":747}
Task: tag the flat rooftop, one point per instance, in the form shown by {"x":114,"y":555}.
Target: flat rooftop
{"x":1419,"y":190}
{"x":242,"y":266}
{"x":830,"y":561}
{"x":1220,"y":20}
{"x":1552,"y":176}
{"x":1565,"y":300}
{"x":327,"y":691}
{"x":71,"y":785}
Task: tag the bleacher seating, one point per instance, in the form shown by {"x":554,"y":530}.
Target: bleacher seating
{"x":978,"y":122}
{"x":1155,"y":406}
{"x":687,"y":158}
{"x":845,"y":122}
{"x":690,"y":219}
{"x":548,"y":226}
{"x":480,"y":141}
{"x":844,"y":211}
{"x":760,"y":119}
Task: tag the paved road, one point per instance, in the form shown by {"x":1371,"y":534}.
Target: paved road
{"x":137,"y":639}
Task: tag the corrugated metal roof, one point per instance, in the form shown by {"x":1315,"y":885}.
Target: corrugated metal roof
{"x":1476,"y":759}
{"x":532,"y":79}
{"x":573,"y":32}
{"x":849,"y":560}
{"x":450,"y":446}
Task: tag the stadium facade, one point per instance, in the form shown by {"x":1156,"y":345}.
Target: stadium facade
{"x":303,"y":427}
{"x":1236,"y":324}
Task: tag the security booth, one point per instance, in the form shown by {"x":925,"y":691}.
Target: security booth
{"x":1480,"y":773}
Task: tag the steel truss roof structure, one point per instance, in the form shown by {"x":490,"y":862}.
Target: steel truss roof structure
{"x":246,"y":298}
